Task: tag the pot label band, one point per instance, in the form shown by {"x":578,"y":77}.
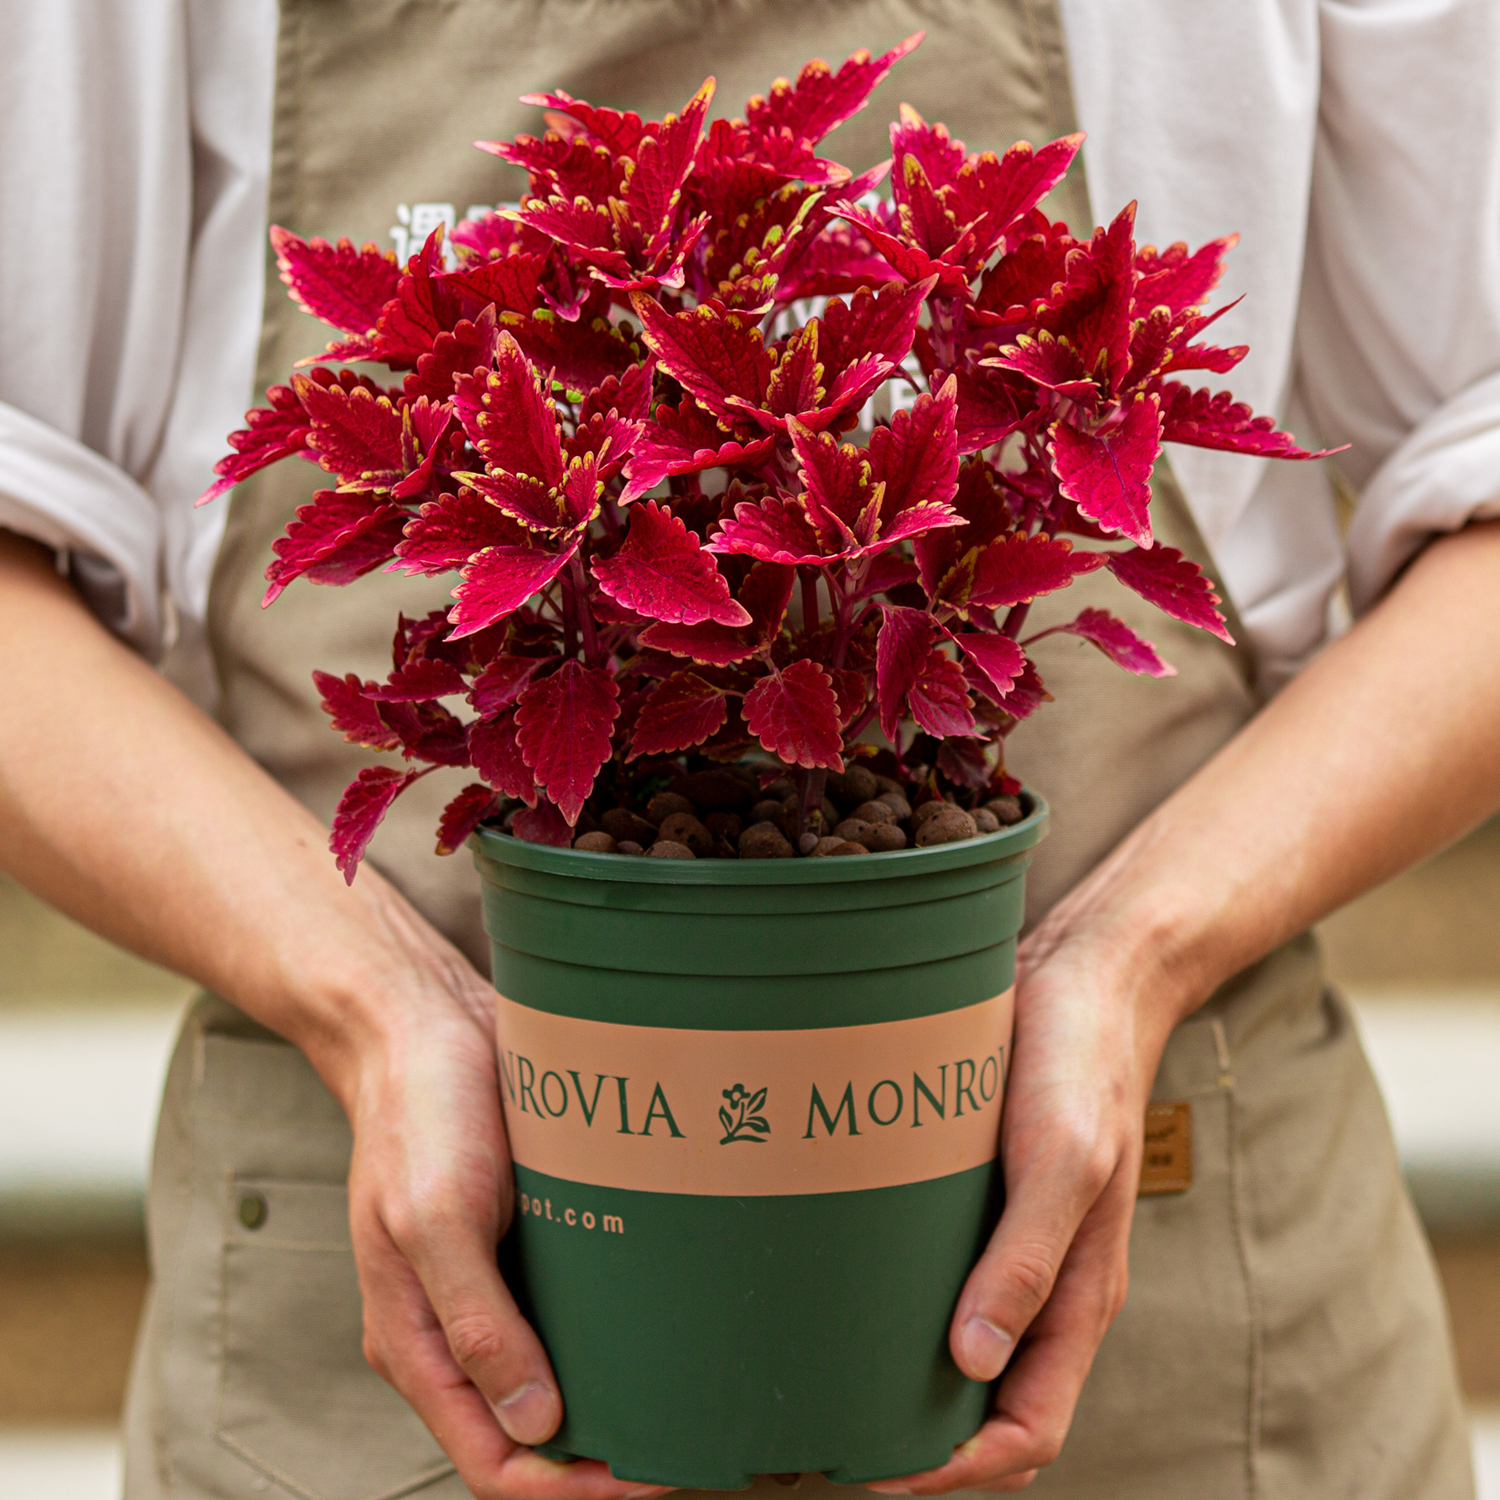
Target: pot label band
{"x":754,"y":1113}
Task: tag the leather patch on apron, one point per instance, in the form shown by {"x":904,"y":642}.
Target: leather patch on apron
{"x":1167,"y":1166}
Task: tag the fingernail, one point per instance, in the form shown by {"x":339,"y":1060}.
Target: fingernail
{"x":885,"y":1487}
{"x":642,"y":1491}
{"x":985,"y":1348}
{"x":529,"y":1414}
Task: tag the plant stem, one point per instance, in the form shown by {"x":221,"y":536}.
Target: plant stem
{"x":809,"y":580}
{"x":812,"y":796}
{"x":570,"y":640}
{"x":1015,"y":619}
{"x":585,"y":618}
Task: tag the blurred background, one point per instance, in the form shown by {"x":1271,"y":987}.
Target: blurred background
{"x":84,"y":1036}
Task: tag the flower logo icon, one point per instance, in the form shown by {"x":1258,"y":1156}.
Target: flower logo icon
{"x":741,"y":1119}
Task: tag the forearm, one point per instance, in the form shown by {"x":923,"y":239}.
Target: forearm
{"x":126,"y":807}
{"x":1384,"y":749}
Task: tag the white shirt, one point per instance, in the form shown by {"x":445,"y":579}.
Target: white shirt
{"x":1354,"y":144}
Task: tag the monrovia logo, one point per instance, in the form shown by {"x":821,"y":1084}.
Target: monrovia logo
{"x":548,"y":1098}
{"x":825,"y":1109}
{"x":741,"y":1116}
{"x":975,"y":1083}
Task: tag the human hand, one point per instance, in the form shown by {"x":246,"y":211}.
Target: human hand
{"x":1089,"y":1035}
{"x":430,"y":1195}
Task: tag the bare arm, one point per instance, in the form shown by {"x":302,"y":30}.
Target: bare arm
{"x":1384,"y":749}
{"x":133,"y":812}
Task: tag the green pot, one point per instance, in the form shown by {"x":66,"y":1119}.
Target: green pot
{"x":754,"y":1111}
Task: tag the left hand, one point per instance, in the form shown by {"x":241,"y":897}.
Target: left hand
{"x":1089,"y":1036}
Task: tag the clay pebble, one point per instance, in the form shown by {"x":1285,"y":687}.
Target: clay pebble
{"x":825,"y":847}
{"x":927,"y":810}
{"x":856,"y":785}
{"x":597,"y":842}
{"x":808,"y":844}
{"x":764,"y":841}
{"x":669,"y":849}
{"x":884,"y":837}
{"x":621,"y":824}
{"x":1007,"y":809}
{"x":853,"y":830}
{"x":849,"y":846}
{"x":767,"y":810}
{"x":985,"y":821}
{"x":876,"y":811}
{"x":897,"y":803}
{"x":629,"y":847}
{"x":664,"y":804}
{"x":948,"y":825}
{"x":684,"y":828}
{"x":724,"y":825}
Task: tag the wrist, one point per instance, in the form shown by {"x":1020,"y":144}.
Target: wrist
{"x":371,"y":979}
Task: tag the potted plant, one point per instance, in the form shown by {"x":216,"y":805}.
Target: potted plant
{"x":749,"y":477}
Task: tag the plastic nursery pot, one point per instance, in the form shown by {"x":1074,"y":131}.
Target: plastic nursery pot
{"x":754,"y":1110}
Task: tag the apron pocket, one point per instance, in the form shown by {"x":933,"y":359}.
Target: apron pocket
{"x":296,"y":1398}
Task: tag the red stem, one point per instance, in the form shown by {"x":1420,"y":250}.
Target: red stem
{"x":580,"y":593}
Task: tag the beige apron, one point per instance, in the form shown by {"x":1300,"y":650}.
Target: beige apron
{"x":1284,"y":1335}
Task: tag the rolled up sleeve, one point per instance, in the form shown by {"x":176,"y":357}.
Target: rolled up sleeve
{"x":104,"y":527}
{"x":1399,"y":328}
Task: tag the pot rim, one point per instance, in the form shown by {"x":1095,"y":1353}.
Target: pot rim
{"x":893,"y":864}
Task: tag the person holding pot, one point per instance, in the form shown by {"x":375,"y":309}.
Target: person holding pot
{"x":330,"y":1179}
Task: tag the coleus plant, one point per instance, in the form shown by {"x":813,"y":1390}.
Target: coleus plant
{"x":625,"y":421}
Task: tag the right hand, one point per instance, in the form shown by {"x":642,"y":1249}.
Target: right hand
{"x":430,"y":1196}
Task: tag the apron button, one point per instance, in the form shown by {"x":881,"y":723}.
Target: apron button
{"x":252,"y":1210}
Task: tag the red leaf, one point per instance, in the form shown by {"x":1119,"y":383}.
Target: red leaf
{"x":774,"y":530}
{"x":338,"y":284}
{"x":1015,"y":569}
{"x":766,"y":591}
{"x":1208,"y":420}
{"x":999,"y":660}
{"x":509,"y":416}
{"x":348,"y":703}
{"x":497,"y":757}
{"x":716,"y":356}
{"x":1117,"y":641}
{"x":339,"y":537}
{"x":663,"y":573}
{"x":1027,"y":695}
{"x":501,"y":682}
{"x":840,"y":494}
{"x":917,"y":455}
{"x":822,"y":100}
{"x":428,"y":732}
{"x":900,"y":652}
{"x":563,"y":725}
{"x":469,"y":346}
{"x":418,"y":681}
{"x":355,"y":433}
{"x":939,"y":698}
{"x":446,"y":533}
{"x":680,"y":712}
{"x":364,"y":803}
{"x":498,"y":581}
{"x":542,"y":824}
{"x":581,"y":354}
{"x":1174,"y":279}
{"x":849,"y":689}
{"x":272,"y":433}
{"x":1173,"y":583}
{"x":463,"y":815}
{"x":662,"y":161}
{"x":1108,"y":477}
{"x":686,"y":440}
{"x":794,"y":713}
{"x":881,"y":323}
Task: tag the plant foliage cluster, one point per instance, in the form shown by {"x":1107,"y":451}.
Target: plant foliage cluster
{"x":625,"y":423}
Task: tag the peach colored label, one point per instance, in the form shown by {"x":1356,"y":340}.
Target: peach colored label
{"x":754,"y":1113}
